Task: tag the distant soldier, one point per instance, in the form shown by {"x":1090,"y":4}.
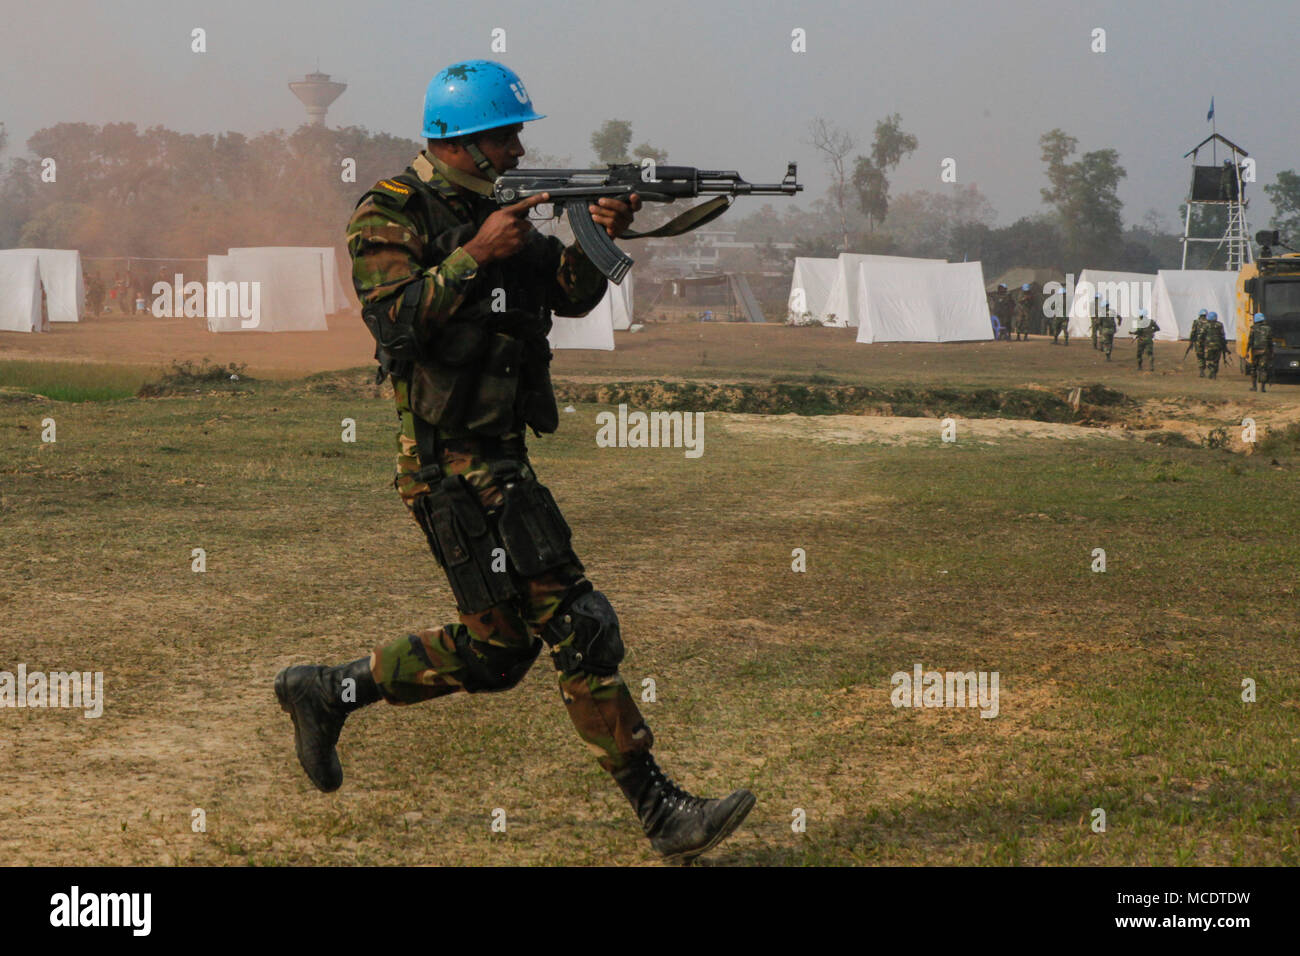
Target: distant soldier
{"x":1215,"y":340}
{"x":1094,"y":321}
{"x":1061,"y":326}
{"x":95,"y":295}
{"x":1144,"y":331}
{"x":1196,"y":340}
{"x":1261,"y":352}
{"x":1024,"y":308}
{"x":1106,"y":329}
{"x":1000,"y":305}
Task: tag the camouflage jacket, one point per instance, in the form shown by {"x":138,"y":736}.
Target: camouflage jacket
{"x":1147,"y":334}
{"x":1197,"y":335}
{"x":466,"y":345}
{"x":1214,"y":336}
{"x":1261,"y":337}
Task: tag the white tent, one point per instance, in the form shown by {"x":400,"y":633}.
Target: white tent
{"x":810,"y":287}
{"x":334,"y":294}
{"x":1125,"y":292}
{"x":844,"y":289}
{"x":921,"y":301}
{"x":288,"y":292}
{"x":20,"y":295}
{"x":596,"y":329}
{"x":65,"y":287}
{"x":1180,"y":295}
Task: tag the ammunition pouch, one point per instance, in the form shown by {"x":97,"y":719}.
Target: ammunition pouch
{"x":534,"y":532}
{"x":492,"y":411}
{"x":397,"y":348}
{"x":465,"y":544}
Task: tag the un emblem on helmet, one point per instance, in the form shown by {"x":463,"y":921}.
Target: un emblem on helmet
{"x":521,"y":94}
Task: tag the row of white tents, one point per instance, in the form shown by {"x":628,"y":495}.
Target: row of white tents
{"x":1172,"y":297}
{"x":893,"y":298}
{"x":297,"y":288}
{"x":40,"y":286}
{"x":900,"y":299}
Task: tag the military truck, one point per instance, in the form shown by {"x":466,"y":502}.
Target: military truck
{"x":1271,"y":284}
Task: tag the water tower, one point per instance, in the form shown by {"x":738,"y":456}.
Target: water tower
{"x":317,"y":91}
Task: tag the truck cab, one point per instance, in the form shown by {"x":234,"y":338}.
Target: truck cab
{"x":1271,"y":285}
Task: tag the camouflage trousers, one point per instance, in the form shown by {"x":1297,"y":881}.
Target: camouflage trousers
{"x":1146,"y":347}
{"x":505,"y":639}
{"x":1107,"y":340}
{"x":1210,"y":361}
{"x":1259,"y":367}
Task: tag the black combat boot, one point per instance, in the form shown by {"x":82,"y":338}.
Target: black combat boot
{"x":315,"y":698}
{"x":679,"y":825}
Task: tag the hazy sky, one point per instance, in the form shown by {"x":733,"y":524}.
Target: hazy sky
{"x":716,"y":84}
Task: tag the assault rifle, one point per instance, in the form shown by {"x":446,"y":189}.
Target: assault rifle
{"x":574,"y":189}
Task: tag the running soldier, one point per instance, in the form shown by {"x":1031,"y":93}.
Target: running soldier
{"x":433,"y":257}
{"x":1106,"y":329}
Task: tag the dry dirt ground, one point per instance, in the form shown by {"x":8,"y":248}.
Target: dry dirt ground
{"x":1111,"y":697}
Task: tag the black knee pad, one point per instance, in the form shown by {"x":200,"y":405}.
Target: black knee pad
{"x":584,"y":636}
{"x":490,"y":668}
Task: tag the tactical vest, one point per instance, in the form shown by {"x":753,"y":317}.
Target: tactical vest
{"x":486,"y":372}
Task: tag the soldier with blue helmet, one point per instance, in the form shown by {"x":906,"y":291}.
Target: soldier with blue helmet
{"x":458,"y":293}
{"x":1215,"y":340}
{"x":1144,"y":332}
{"x":1261,"y":352}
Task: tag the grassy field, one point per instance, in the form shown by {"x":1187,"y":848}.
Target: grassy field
{"x":1119,"y":690}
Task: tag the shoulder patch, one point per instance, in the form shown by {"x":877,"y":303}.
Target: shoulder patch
{"x":392,"y":193}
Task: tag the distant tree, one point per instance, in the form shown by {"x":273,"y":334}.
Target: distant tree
{"x":923,"y":222}
{"x":870,"y":174}
{"x":611,"y":141}
{"x":1085,"y":196}
{"x":1285,"y":196}
{"x":835,"y":145}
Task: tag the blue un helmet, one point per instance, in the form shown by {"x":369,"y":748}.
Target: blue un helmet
{"x":1213,"y":316}
{"x":1202,"y":312}
{"x":1025,"y":287}
{"x":1259,"y":316}
{"x":472,"y":96}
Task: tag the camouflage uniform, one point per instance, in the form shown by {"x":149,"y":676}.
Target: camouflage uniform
{"x":1000,"y":305}
{"x":1106,"y":331}
{"x":1094,"y":320}
{"x":1196,"y":340}
{"x":1146,"y":338}
{"x":1214,"y":343}
{"x":406,"y":238}
{"x":1061,"y":326}
{"x":1261,"y":355}
{"x":1024,"y":308}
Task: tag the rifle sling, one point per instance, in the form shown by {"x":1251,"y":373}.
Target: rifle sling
{"x":692,"y":218}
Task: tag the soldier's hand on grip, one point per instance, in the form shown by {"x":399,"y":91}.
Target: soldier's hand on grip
{"x":504,"y":232}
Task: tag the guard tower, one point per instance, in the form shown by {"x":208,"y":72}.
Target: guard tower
{"x":1220,"y":185}
{"x":317,"y":91}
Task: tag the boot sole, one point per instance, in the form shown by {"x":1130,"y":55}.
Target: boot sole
{"x":737,"y":817}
